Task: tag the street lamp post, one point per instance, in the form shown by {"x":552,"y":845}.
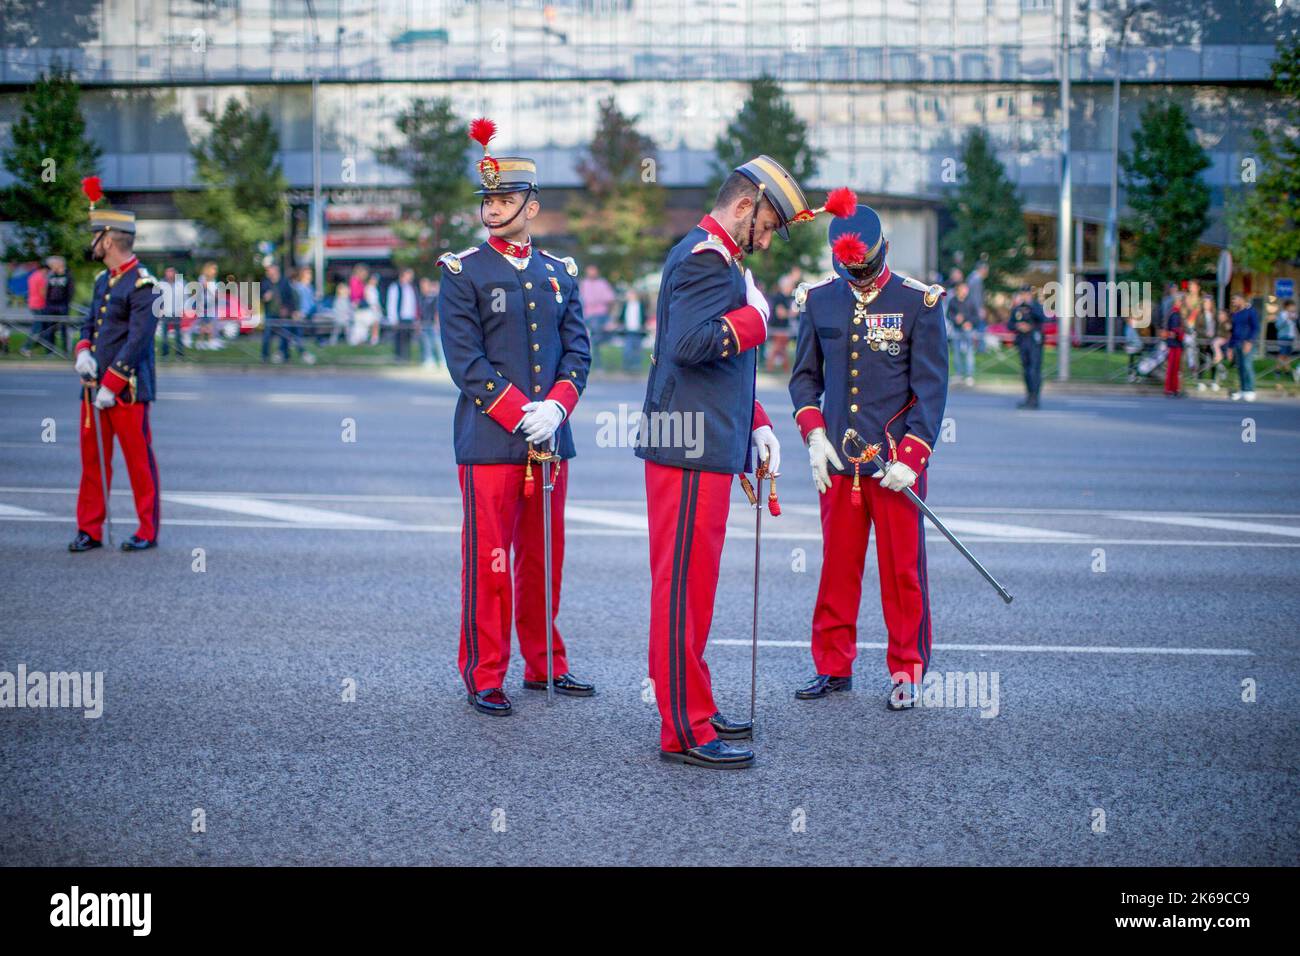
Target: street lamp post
{"x":1112,"y":215}
{"x":1064,"y":280}
{"x":317,"y":212}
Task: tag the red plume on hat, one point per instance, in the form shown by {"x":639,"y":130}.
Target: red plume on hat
{"x":93,"y":189}
{"x":841,"y":203}
{"x":850,"y":249}
{"x":481,"y":131}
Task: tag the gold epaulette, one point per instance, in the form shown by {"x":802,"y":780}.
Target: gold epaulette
{"x":803,"y":288}
{"x":712,"y":244}
{"x":570,"y":266}
{"x":451,"y":260}
{"x":145,"y":278}
{"x":931,"y":293}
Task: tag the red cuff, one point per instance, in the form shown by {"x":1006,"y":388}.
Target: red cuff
{"x":760,"y":417}
{"x":914,"y":453}
{"x":747,"y":328}
{"x":508,"y":410}
{"x":808,"y":418}
{"x":566,"y":393}
{"x":113,"y":381}
{"x":82,"y":345}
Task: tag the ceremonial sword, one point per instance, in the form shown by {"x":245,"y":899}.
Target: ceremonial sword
{"x":546,"y":458}
{"x":92,"y":415}
{"x":755,"y":496}
{"x":871,"y":453}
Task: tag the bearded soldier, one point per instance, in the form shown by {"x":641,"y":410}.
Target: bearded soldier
{"x":711,"y":318}
{"x":872,"y":357}
{"x":517,"y":349}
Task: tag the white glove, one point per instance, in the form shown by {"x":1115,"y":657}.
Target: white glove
{"x":769,"y":449}
{"x":541,"y":419}
{"x":821,"y":454}
{"x":755,"y":298}
{"x":86,"y":365}
{"x":105,"y":398}
{"x":896,"y":476}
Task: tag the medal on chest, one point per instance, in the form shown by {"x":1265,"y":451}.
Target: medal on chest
{"x":555,"y":287}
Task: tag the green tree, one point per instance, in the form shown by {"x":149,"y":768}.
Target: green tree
{"x":433,"y":154}
{"x":618,"y":221}
{"x":988,"y":219}
{"x":1169,"y":203}
{"x":1264,"y":219}
{"x":767,"y":124}
{"x":48,"y":156}
{"x":241,"y":201}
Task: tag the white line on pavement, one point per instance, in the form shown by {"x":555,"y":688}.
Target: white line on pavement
{"x":1019,"y":532}
{"x":1027,"y":648}
{"x":13,"y":511}
{"x":612,"y":519}
{"x":307,"y":398}
{"x":1218,"y":524}
{"x":258,"y":508}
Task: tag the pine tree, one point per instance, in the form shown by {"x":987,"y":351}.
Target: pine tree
{"x":989,"y":220}
{"x":242,"y":199}
{"x":767,"y":124}
{"x":618,"y":221}
{"x":433,"y":154}
{"x":1264,"y":218}
{"x":1169,"y":201}
{"x":48,"y":156}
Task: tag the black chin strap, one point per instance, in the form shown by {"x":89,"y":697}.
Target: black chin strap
{"x":522,"y":206}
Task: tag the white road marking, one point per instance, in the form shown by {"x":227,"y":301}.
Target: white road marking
{"x":612,"y":519}
{"x":24,"y":391}
{"x":259,"y":508}
{"x":180,"y":396}
{"x":990,"y":529}
{"x":308,"y":398}
{"x":1219,"y":524}
{"x":1026,"y":648}
{"x":13,"y":511}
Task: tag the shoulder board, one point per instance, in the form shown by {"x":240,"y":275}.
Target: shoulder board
{"x":801,"y":291}
{"x":145,"y":278}
{"x":570,"y":266}
{"x":932,"y":293}
{"x":711,"y":244}
{"x":451,"y":260}
{"x":100,"y":274}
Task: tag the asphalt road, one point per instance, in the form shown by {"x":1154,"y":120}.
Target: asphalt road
{"x":1119,"y":734}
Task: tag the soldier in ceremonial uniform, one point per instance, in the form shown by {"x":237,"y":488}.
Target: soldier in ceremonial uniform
{"x":517,"y":349}
{"x":872,"y":356}
{"x":115,"y":359}
{"x":711,"y":318}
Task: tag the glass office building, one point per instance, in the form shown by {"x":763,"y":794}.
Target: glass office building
{"x":888,"y":87}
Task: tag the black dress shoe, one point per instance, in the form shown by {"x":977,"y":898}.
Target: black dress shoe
{"x":822,"y":685}
{"x":491,"y":701}
{"x":715,"y":755}
{"x":729,"y":729}
{"x":84,"y":542}
{"x":137,"y":543}
{"x":903,"y":696}
{"x":565,"y":684}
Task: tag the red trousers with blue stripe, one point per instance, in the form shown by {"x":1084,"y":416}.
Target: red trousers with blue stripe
{"x":499,"y":517}
{"x":904,"y":582}
{"x":130,"y":423}
{"x":688,"y":523}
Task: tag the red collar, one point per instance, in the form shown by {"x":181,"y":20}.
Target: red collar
{"x":710,"y":225}
{"x":511,"y":249}
{"x":124,"y":267}
{"x":880,"y":282}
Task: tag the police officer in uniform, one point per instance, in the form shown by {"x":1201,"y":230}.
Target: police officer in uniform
{"x":872,"y":356}
{"x":1027,"y":320}
{"x":115,"y":359}
{"x":516,"y":347}
{"x":711,"y":319}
